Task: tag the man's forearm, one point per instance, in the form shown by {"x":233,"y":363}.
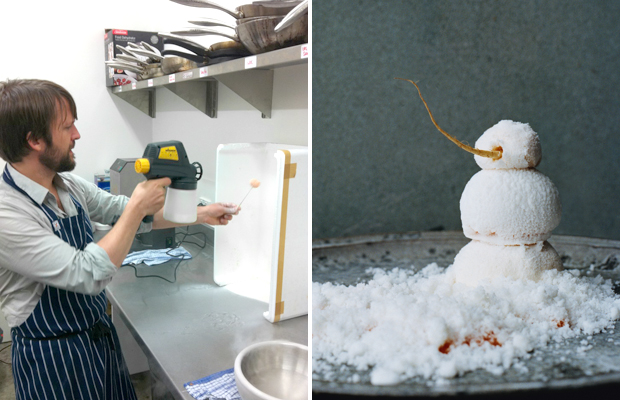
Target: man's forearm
{"x":118,"y":241}
{"x":160,"y":223}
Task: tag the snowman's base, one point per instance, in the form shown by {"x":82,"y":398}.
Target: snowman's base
{"x":478,"y":261}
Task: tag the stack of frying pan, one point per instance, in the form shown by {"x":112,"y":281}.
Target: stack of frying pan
{"x":257,"y":28}
{"x":188,"y":54}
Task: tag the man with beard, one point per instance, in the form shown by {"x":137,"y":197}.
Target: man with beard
{"x":52,"y":274}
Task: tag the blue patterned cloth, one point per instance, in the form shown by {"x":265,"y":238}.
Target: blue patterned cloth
{"x":220,"y":385}
{"x":155,"y":257}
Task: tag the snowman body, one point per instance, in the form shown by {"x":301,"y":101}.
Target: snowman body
{"x":508,"y":209}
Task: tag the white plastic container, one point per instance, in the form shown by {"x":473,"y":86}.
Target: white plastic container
{"x":180,"y":206}
{"x":264,"y":250}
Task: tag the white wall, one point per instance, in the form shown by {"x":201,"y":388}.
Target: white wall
{"x":47,"y":40}
{"x":63,"y":41}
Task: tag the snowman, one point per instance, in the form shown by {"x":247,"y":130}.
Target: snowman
{"x":508,"y":209}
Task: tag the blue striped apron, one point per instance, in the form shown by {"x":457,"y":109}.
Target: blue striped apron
{"x":68,"y":347}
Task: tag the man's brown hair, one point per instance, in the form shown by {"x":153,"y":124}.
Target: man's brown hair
{"x":29,"y":106}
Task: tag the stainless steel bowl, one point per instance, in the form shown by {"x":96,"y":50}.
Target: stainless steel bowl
{"x":274,"y":370}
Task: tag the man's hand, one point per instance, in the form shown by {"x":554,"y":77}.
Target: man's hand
{"x":149,"y":196}
{"x":217,"y":213}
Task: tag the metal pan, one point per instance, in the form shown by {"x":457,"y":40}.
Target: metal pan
{"x":175,"y":44}
{"x":199,"y":56}
{"x":173,"y":64}
{"x":230,"y":44}
{"x":204,"y":52}
{"x":197,"y":59}
{"x":558,"y":372}
{"x":259,"y":36}
{"x":179,"y":61}
{"x":244,"y":11}
{"x":152,"y":71}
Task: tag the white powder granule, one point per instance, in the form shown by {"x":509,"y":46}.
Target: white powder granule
{"x":404,"y":324}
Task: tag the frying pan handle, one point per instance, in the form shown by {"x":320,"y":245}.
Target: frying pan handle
{"x":181,"y":39}
{"x":198,"y":50}
{"x":192,"y":57}
{"x":210,"y":4}
{"x":212,"y":22}
{"x":293,"y":16}
{"x":205,"y":32}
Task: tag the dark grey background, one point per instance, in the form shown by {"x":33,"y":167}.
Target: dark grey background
{"x":378,"y":163}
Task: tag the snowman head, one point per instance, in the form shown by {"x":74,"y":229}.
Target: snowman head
{"x":519,"y":144}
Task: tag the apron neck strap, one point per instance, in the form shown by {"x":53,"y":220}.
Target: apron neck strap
{"x":6,"y":175}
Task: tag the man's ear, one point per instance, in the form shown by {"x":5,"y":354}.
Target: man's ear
{"x":35,"y":144}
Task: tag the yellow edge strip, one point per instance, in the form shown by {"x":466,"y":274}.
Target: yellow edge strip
{"x":290,"y":170}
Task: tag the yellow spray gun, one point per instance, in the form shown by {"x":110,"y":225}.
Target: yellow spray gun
{"x":169,"y":159}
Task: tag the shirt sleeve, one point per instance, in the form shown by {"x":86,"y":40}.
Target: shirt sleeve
{"x":29,"y":247}
{"x":102,"y":206}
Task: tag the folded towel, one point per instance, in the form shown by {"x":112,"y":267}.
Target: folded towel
{"x":220,"y":385}
{"x":154,"y":257}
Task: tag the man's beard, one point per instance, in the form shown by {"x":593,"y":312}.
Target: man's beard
{"x":54,"y":160}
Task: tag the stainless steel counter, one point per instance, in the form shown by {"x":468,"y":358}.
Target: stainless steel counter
{"x":191,"y":328}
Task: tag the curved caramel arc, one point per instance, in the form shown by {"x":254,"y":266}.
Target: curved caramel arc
{"x":495,"y":155}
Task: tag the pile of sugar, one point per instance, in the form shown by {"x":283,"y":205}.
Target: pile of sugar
{"x":404,"y":324}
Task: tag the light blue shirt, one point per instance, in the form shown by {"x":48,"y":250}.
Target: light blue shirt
{"x":32,"y":256}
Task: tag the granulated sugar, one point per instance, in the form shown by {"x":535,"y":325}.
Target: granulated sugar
{"x":404,"y":324}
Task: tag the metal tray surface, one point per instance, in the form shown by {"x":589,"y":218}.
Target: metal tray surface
{"x":558,"y":366}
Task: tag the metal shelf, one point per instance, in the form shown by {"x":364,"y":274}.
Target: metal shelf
{"x":251,"y":78}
